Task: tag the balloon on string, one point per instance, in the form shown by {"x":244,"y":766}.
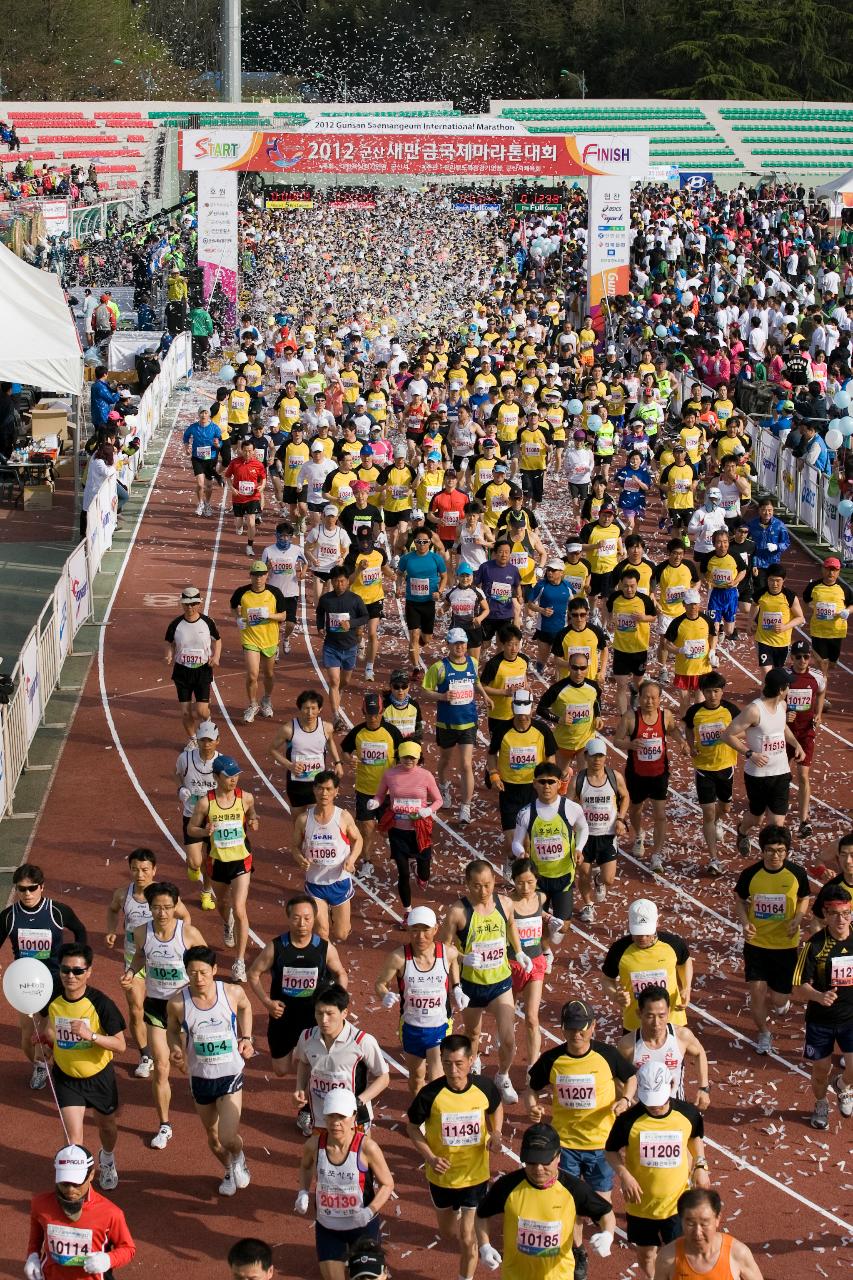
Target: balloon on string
{"x":719,"y":296}
{"x":660,"y":331}
{"x":593,"y":423}
{"x":845,"y":509}
{"x":845,"y":426}
{"x":841,"y":400}
{"x":226,"y":373}
{"x":575,"y":407}
{"x":28,"y":985}
{"x":834,"y":439}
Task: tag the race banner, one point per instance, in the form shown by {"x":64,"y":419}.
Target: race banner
{"x":434,"y":153}
{"x":359,"y":202}
{"x":61,"y":620}
{"x":299,"y":203}
{"x":788,"y":480}
{"x":830,"y":520}
{"x":32,"y":685}
{"x":808,"y":512}
{"x":768,"y":461}
{"x":217,"y":237}
{"x":608,"y":241}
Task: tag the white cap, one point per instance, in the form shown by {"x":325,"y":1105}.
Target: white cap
{"x":554,"y":563}
{"x":73,"y":1164}
{"x":456,"y":635}
{"x":714,"y":493}
{"x":691,"y":596}
{"x":522,"y":701}
{"x":340,"y":1102}
{"x":596,"y":747}
{"x":317,"y":447}
{"x":207,"y":729}
{"x":653,"y":1084}
{"x":642,"y":917}
{"x":421,"y":915}
{"x":573,"y":546}
{"x":330,"y":509}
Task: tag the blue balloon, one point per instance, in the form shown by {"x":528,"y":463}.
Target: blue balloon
{"x":719,"y":296}
{"x":226,"y":373}
{"x":593,"y":423}
{"x":841,"y":400}
{"x":575,"y":407}
{"x":661,"y":331}
{"x":845,"y":509}
{"x":844,"y":425}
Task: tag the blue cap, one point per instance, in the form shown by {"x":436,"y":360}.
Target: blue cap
{"x":227,"y":765}
{"x":464,"y":570}
{"x":365,"y":448}
{"x":434,"y":456}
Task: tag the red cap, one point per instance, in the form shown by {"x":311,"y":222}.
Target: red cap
{"x":832,"y":562}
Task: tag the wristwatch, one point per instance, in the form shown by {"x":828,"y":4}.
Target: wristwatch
{"x":704,"y":1088}
{"x":700,"y":1164}
{"x":747,"y":755}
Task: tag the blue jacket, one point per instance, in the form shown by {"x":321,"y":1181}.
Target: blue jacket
{"x":102,"y":402}
{"x":776,"y":534}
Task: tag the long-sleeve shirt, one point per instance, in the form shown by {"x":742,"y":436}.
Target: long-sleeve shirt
{"x":410,"y":792}
{"x":770,"y":541}
{"x":101,"y":1228}
{"x":102,"y":402}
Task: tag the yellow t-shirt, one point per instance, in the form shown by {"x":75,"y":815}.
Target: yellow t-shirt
{"x":533,"y":448}
{"x":772,"y":898}
{"x":254,"y":608}
{"x":636,"y":968}
{"x":708,"y":726}
{"x":656,"y":1153}
{"x":238,"y":408}
{"x":693,"y":636}
{"x":583,"y":1091}
{"x":72,"y":1055}
{"x":773,"y":609}
{"x":456,"y":1128}
{"x":679,"y":487}
{"x":630,"y":634}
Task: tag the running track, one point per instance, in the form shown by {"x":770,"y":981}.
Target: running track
{"x":786,"y":1188}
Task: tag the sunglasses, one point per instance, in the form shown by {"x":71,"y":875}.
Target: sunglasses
{"x":67,"y":970}
{"x":27,"y":888}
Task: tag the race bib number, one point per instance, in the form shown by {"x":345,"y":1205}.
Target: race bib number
{"x":606,"y":547}
{"x":487,"y":954}
{"x":548,"y":848}
{"x":68,"y":1246}
{"x":227,"y":834}
{"x":529,"y":930}
{"x":462,"y":1128}
{"x":337,"y":621}
{"x":577,"y":713}
{"x":370,"y":575}
{"x":532,"y":450}
{"x":722,"y":577}
{"x":498,"y":503}
{"x":299,"y":982}
{"x":66,"y":1038}
{"x":214,"y":1051}
{"x":204,"y":452}
{"x":406,"y":806}
{"x":663,"y":1150}
{"x":450,"y":519}
{"x":518,"y":560}
{"x":576,"y":1092}
{"x":191,"y":658}
{"x":842,"y":971}
{"x":694,"y":649}
{"x":35,"y":943}
{"x":245,"y":488}
{"x":651,"y":749}
{"x":322,"y":848}
{"x":254,"y":616}
{"x":420,"y":588}
{"x":522,"y":757}
{"x":681,"y":486}
{"x":345,"y":495}
{"x":398,"y":492}
{"x":626,"y":622}
{"x":710,"y":733}
{"x":771,"y":619}
{"x":537,"y":1238}
{"x":501,"y":592}
{"x":799,"y":700}
{"x":463,"y":608}
{"x":770,"y":906}
{"x":675,"y":595}
{"x":167,"y":975}
{"x":642,"y":978}
{"x":460,"y":693}
{"x":772,"y":746}
{"x":825,"y":611}
{"x":344,"y":1204}
{"x":631,"y":485}
{"x":373,"y":753}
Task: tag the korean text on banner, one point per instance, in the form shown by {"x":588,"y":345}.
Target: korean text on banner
{"x":217,"y":237}
{"x":61,"y":620}
{"x":608,"y":239}
{"x":808,"y":512}
{"x":77,"y":573}
{"x":29,"y":669}
{"x":830,"y":520}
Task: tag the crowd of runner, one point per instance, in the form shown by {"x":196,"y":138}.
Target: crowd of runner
{"x":408,"y":389}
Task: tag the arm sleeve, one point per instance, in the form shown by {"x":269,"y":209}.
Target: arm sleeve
{"x":36,"y":1230}
{"x":490,"y":670}
{"x":622,"y":1069}
{"x":108,"y":1014}
{"x":122,"y":1247}
{"x":649,"y":605}
{"x":743,"y":882}
{"x":348,"y":743}
{"x":803,"y":886}
{"x":421,"y":1104}
{"x":70,"y":920}
{"x":498,"y":735}
{"x":588,"y":1203}
{"x":610,"y":964}
{"x":5,"y":924}
{"x":170,"y":630}
{"x":679,"y":946}
{"x":211,"y":626}
{"x":621,"y":1131}
{"x":494,"y":1201}
{"x":540,"y":1073}
{"x":280,"y":602}
{"x":236,"y":597}
{"x":548,"y":740}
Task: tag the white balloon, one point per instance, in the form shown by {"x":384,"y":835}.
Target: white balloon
{"x":834,"y":439}
{"x":845,"y":426}
{"x":841,"y":400}
{"x":28,"y":985}
{"x":226,"y":373}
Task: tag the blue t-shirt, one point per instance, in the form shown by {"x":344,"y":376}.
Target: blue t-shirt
{"x":552,"y":596}
{"x":423,"y":574}
{"x":206,"y":440}
{"x":631,"y":498}
{"x":498,"y":583}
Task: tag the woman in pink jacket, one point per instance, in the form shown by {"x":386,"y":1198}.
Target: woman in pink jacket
{"x":413,"y":797}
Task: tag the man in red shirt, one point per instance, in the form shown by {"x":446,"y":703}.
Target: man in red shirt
{"x":75,"y":1231}
{"x":447,"y":511}
{"x":247,"y":477}
{"x":806,"y":694}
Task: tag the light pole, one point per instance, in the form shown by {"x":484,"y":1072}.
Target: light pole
{"x":231,"y":52}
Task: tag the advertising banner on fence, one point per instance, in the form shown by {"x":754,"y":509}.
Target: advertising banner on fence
{"x":768,"y":461}
{"x":830,"y":521}
{"x":608,"y":240}
{"x":808,"y":496}
{"x":217,"y":236}
{"x":4,"y":799}
{"x":788,"y":480}
{"x":32,"y":686}
{"x":77,"y":574}
{"x":61,"y":620}
{"x":429,"y":153}
{"x":55,"y":214}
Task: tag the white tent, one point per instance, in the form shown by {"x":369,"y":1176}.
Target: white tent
{"x":836,"y":187}
{"x":39,"y":345}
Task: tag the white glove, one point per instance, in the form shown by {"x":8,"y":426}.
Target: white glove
{"x":96,"y":1264}
{"x":184,"y":794}
{"x":300,"y":1204}
{"x":425,"y":813}
{"x":843,"y":613}
{"x":601,"y":1243}
{"x":555,"y":928}
{"x":241,"y":623}
{"x":714,"y":660}
{"x":459,"y":996}
{"x":32,"y":1268}
{"x":772,"y":546}
{"x":264,"y":611}
{"x":540,"y":572}
{"x":549,"y":961}
{"x":522,"y":958}
{"x":372,"y":804}
{"x":390,"y":999}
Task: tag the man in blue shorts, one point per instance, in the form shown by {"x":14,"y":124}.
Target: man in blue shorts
{"x":824,"y":979}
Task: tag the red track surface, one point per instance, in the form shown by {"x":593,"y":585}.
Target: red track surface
{"x":94,"y":816}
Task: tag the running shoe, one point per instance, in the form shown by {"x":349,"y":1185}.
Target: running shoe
{"x":208,"y":901}
{"x":587,"y":914}
{"x":238,"y":971}
{"x":194,"y":873}
{"x":845,"y":1096}
{"x":504,"y":1088}
{"x":600,"y":891}
{"x":783,"y":1009}
{"x":464,"y":814}
{"x":200,"y":509}
{"x":240,"y":531}
{"x":715,"y":867}
{"x":369,"y":673}
{"x":162,"y":1137}
{"x":240,"y":1170}
{"x":422,"y":884}
{"x":250,"y":550}
{"x":107,"y":1171}
{"x":477,"y":1065}
{"x":765,"y":1042}
{"x":366,"y":869}
{"x":228,"y":935}
{"x":656,"y":862}
{"x":208,"y":509}
{"x":285,"y":648}
{"x":250,"y":712}
{"x":819,"y":1118}
{"x":266,"y":708}
{"x":490,"y":1257}
{"x":304,"y":1123}
{"x":806,"y":830}
{"x":743,"y":844}
{"x":38,"y":1079}
{"x":663,"y":676}
{"x":228,"y":1185}
{"x":581,"y":1262}
{"x":686,"y":541}
{"x":144,"y":1067}
{"x":639,"y":846}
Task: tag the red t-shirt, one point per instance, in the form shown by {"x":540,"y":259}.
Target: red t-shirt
{"x":449,"y":509}
{"x":101,"y":1228}
{"x":247,"y":479}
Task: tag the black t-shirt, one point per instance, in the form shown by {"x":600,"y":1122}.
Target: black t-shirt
{"x":817,"y":905}
{"x":827,"y":964}
{"x":329,"y":610}
{"x":354,"y":517}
